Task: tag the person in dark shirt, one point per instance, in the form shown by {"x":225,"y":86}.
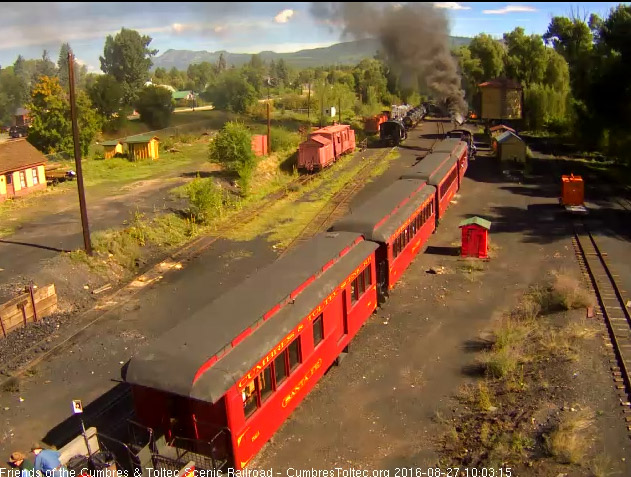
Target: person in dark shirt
{"x":19,"y":462}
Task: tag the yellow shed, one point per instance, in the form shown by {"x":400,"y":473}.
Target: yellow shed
{"x":143,"y":147}
{"x":111,"y":148}
{"x":510,"y":147}
{"x":501,"y":99}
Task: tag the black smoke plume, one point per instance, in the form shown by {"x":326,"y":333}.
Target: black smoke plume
{"x":414,"y":38}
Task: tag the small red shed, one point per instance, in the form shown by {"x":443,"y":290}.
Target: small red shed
{"x":259,"y":145}
{"x":475,"y":237}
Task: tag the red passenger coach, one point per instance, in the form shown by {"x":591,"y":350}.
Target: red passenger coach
{"x":231,"y":374}
{"x":457,"y":149}
{"x":400,"y":218}
{"x":441,"y":171}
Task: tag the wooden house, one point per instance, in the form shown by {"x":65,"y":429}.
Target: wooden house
{"x":184,"y":98}
{"x":510,"y":147}
{"x":21,"y":169}
{"x":111,"y":148}
{"x":501,"y":99}
{"x":143,"y":147}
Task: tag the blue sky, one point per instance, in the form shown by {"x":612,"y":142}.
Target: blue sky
{"x":28,"y":28}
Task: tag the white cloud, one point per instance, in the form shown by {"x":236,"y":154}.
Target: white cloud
{"x":284,"y":16}
{"x":510,"y":9}
{"x":450,"y":6}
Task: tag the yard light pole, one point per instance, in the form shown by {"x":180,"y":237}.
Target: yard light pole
{"x":77,"y":157}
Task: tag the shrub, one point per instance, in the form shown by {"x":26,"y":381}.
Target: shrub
{"x":282,"y":139}
{"x":232,"y":147}
{"x":570,"y":440}
{"x":205,"y":200}
{"x":155,"y":105}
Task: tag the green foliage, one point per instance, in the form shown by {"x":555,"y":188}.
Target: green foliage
{"x":205,"y":200}
{"x":526,"y":58}
{"x":106,"y":94}
{"x":155,"y":106}
{"x":490,"y":53}
{"x":231,"y":92}
{"x":13,"y":94}
{"x":127,"y":58}
{"x":283,"y":139}
{"x":200,"y":74}
{"x":51,"y":129}
{"x":232,"y":147}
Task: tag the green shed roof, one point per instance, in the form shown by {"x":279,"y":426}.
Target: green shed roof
{"x":181,"y":94}
{"x":139,"y":139}
{"x":112,"y":142}
{"x":477,"y":221}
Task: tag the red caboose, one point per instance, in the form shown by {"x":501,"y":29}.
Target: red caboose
{"x":340,"y":137}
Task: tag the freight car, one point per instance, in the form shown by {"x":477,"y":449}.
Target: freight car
{"x":222,"y":382}
{"x":325,"y":146}
{"x":371,"y":124}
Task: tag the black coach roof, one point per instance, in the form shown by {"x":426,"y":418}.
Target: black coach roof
{"x":379,"y":217}
{"x":226,"y":373}
{"x":427,"y":166}
{"x":171,"y":361}
{"x":446,"y":145}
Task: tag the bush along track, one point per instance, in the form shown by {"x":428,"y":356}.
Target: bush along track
{"x":534,"y":407}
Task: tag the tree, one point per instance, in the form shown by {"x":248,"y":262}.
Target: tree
{"x":525,"y":61}
{"x":44,"y":66}
{"x":13,"y":94}
{"x":232,"y":147}
{"x":490,"y":54}
{"x":51,"y":129}
{"x":231,"y":92}
{"x":106,"y":95}
{"x":282,"y":72}
{"x":155,"y":106}
{"x":62,"y":64}
{"x":127,"y":58}
{"x":471,"y":72}
{"x":201,"y":74}
{"x":221,"y":64}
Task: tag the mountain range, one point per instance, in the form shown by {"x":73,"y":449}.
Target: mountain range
{"x":347,"y":53}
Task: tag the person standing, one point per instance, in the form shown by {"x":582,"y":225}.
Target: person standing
{"x":47,"y":462}
{"x":19,"y":462}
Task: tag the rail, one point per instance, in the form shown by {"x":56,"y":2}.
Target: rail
{"x":611,"y":304}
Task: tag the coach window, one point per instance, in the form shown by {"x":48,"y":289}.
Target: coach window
{"x":294,"y":354}
{"x":318,"y":331}
{"x":280,"y":368}
{"x":360,"y":284}
{"x":353,"y":292}
{"x":367,"y":277}
{"x":249,"y":399}
{"x":265,"y":383}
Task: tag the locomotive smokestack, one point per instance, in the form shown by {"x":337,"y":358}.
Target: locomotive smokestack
{"x":415,"y":39}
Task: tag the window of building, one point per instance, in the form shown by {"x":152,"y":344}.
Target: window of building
{"x":22,"y":179}
{"x":280,"y":368}
{"x":318,"y":331}
{"x":9,"y":178}
{"x":35,"y":178}
{"x":294,"y":354}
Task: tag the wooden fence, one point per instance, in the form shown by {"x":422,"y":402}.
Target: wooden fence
{"x":28,"y":307}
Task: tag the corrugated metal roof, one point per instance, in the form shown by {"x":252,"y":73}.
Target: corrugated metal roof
{"x":507,"y":135}
{"x":17,"y":154}
{"x":477,"y":221}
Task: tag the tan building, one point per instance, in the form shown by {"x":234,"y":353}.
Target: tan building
{"x":501,"y":99}
{"x":143,"y":147}
{"x":21,"y":169}
{"x":510,"y":147}
{"x":111,"y":148}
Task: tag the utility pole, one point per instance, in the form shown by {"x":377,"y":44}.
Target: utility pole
{"x":309,"y":104}
{"x":269,"y":136}
{"x":77,"y":157}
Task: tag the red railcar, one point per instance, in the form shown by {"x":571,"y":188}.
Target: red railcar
{"x":246,"y":361}
{"x":400,"y":219}
{"x":340,"y":137}
{"x":371,"y":124}
{"x":457,"y":149}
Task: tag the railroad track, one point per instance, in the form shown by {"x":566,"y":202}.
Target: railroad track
{"x":611,"y":306}
{"x":337,"y":206}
